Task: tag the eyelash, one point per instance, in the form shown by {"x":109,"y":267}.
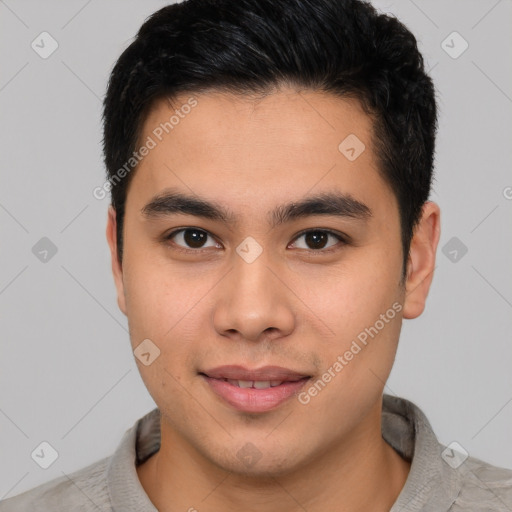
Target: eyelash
{"x":345,"y":240}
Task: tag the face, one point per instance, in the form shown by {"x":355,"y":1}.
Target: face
{"x":295,"y":262}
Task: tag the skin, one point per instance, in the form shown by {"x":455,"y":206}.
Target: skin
{"x":294,"y":306}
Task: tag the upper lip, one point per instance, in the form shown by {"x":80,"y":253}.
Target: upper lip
{"x":265,"y":373}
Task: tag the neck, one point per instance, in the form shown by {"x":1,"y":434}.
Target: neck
{"x":361,"y":473}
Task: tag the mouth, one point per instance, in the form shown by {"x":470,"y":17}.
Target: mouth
{"x":256,"y":384}
{"x":254,"y":391}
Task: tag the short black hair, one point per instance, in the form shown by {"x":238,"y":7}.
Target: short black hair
{"x":343,"y":47}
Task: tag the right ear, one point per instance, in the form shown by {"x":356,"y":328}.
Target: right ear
{"x":117,"y":269}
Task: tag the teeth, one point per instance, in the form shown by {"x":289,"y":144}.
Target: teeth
{"x":259,"y":384}
{"x":262,"y":384}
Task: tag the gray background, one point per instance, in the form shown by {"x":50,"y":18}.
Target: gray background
{"x":67,"y":374}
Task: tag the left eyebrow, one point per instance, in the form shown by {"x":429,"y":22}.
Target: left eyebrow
{"x":334,"y":204}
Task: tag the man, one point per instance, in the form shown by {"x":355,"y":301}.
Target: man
{"x":270,"y":166}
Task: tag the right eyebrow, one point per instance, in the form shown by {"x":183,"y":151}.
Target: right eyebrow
{"x":170,"y":202}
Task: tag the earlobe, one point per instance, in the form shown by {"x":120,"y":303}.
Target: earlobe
{"x":422,"y":259}
{"x":117,"y":270}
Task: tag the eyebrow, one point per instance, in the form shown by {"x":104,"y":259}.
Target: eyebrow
{"x":333,"y":203}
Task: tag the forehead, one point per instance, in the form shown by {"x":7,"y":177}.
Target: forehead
{"x":249,"y":152}
{"x":306,"y":120}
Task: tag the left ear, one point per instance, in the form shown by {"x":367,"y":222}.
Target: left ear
{"x":422,"y":259}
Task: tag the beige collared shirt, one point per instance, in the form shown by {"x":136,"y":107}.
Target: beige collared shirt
{"x":440,"y":480}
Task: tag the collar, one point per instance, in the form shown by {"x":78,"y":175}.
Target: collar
{"x":431,"y":484}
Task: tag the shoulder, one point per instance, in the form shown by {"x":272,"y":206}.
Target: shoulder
{"x":84,"y":490}
{"x":483,"y":487}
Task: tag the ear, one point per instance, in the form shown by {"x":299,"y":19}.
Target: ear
{"x":422,"y":259}
{"x":117,"y":269}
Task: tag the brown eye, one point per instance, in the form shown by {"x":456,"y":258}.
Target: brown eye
{"x":194,"y":238}
{"x":191,"y":238}
{"x":317,"y":240}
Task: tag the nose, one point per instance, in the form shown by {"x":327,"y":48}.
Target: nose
{"x":253,"y":304}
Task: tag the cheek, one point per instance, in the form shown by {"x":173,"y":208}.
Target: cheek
{"x":169,"y":306}
{"x":160,"y":298}
{"x":163,"y":307}
{"x":350,"y":295}
{"x":357,"y":307}
{"x":357,"y":363}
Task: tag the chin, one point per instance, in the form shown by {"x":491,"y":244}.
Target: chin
{"x":252,"y":463}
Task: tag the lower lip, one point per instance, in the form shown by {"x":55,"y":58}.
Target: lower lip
{"x":251,"y":399}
